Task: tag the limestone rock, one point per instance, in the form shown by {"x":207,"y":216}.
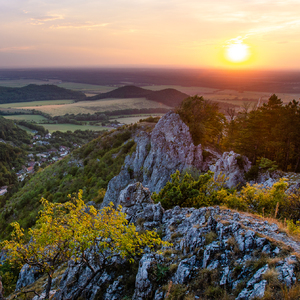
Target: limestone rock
{"x":27,"y":275}
{"x":143,"y":285}
{"x":158,"y":155}
{"x":233,"y":166}
{"x":215,"y":238}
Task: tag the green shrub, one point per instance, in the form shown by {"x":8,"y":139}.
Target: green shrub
{"x":187,"y":192}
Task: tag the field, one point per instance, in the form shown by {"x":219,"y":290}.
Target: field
{"x":24,"y":82}
{"x":229,"y":96}
{"x":94,"y":106}
{"x":35,"y":104}
{"x":72,"y":127}
{"x":133,"y":119}
{"x":28,"y":118}
{"x":61,"y":107}
{"x":85,"y":88}
{"x":27,"y":129}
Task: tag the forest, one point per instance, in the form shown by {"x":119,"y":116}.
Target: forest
{"x":271,"y":131}
{"x":33,"y":92}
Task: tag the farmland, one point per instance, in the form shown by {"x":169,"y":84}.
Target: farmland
{"x":71,"y":127}
{"x":35,"y":104}
{"x":82,"y":87}
{"x":94,"y":106}
{"x":28,"y":118}
{"x":228,"y":96}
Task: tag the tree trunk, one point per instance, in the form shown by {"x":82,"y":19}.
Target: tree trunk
{"x":297,"y":164}
{"x":287,"y":156}
{"x":48,"y":288}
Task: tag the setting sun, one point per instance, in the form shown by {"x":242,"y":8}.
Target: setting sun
{"x":237,"y":53}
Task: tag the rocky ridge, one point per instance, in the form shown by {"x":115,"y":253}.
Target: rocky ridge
{"x":213,"y":249}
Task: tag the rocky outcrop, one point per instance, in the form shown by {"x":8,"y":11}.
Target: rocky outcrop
{"x":136,"y":202}
{"x":169,"y":148}
{"x":158,"y":155}
{"x":27,"y":275}
{"x":233,"y":166}
{"x":237,"y":248}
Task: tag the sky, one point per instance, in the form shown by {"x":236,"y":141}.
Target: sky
{"x":153,"y":33}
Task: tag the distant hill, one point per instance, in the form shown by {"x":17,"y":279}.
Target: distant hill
{"x":170,"y":97}
{"x":35,"y":92}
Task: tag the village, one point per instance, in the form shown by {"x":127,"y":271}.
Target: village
{"x":41,"y":159}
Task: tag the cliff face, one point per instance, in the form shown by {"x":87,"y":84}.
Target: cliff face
{"x":158,"y":155}
{"x":213,"y":248}
{"x":169,"y":148}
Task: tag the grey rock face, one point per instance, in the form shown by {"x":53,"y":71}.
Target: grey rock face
{"x":158,"y":155}
{"x":114,"y":291}
{"x":185,"y":269}
{"x":286,"y":271}
{"x":27,"y":275}
{"x":169,"y":148}
{"x":143,"y":284}
{"x":233,"y":166}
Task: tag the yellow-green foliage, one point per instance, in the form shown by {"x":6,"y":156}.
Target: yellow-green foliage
{"x":65,"y":230}
{"x":259,"y":199}
{"x":186,"y":191}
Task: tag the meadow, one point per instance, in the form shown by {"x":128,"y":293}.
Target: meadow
{"x":28,"y":118}
{"x":94,"y":106}
{"x":133,"y":119}
{"x":35,"y":104}
{"x":90,"y":89}
{"x":229,"y":96}
{"x":71,"y":127}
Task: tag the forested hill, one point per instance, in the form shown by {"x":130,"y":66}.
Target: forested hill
{"x":11,"y":133}
{"x":170,"y":97}
{"x":10,"y":155}
{"x":35,"y":92}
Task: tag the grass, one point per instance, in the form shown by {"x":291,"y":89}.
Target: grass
{"x":130,"y":119}
{"x":228,"y":96}
{"x":35,"y":104}
{"x":94,"y":106}
{"x":29,"y":118}
{"x":72,"y":127}
{"x":87,"y":88}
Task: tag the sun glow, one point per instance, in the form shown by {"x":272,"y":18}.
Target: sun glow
{"x":237,"y":53}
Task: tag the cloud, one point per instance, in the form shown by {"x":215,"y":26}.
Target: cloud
{"x":87,"y":26}
{"x":16,"y":49}
{"x":283,"y":26}
{"x":42,"y":20}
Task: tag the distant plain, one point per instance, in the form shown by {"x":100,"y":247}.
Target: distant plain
{"x":234,"y":88}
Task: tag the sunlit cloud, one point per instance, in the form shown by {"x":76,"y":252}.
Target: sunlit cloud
{"x":44,"y":19}
{"x":88,"y":26}
{"x":263,"y":30}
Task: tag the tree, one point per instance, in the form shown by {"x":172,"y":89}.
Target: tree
{"x":205,"y":121}
{"x":65,"y":230}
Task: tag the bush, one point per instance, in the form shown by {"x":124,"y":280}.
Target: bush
{"x":187,"y":192}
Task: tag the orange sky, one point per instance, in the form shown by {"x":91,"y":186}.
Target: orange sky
{"x":189,"y":33}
